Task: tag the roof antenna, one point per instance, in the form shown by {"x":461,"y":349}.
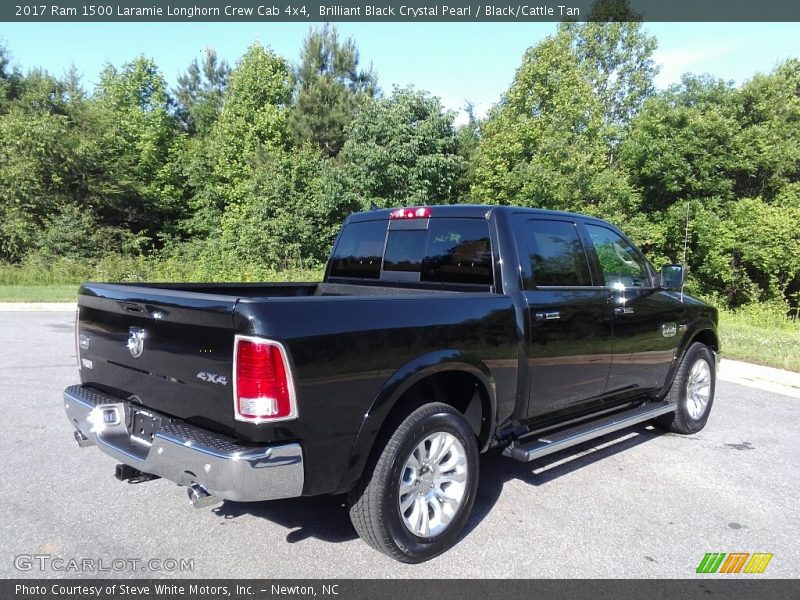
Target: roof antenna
{"x":685,"y":246}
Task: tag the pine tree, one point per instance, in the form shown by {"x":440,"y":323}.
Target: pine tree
{"x":200,"y":91}
{"x":329,"y":88}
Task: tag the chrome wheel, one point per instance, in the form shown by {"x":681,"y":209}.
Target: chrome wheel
{"x":698,"y":389}
{"x":432,"y":484}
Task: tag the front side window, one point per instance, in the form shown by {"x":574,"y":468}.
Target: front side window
{"x":556,"y":253}
{"x":620,"y":263}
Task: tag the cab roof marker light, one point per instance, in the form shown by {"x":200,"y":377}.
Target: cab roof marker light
{"x":421,"y":212}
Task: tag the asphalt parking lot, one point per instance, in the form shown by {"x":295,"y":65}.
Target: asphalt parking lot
{"x":637,"y":503}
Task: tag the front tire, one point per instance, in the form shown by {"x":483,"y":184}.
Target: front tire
{"x":418,"y":490}
{"x":692,"y":392}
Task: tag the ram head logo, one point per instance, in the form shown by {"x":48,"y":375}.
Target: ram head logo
{"x":136,"y":341}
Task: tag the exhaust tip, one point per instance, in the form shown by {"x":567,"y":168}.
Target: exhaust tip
{"x":82,"y":440}
{"x":200,"y":498}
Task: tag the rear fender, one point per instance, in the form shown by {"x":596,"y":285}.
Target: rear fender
{"x":392,"y":392}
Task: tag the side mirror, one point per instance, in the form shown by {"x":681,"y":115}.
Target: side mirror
{"x":672,"y":277}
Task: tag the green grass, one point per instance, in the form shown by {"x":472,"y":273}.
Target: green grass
{"x":38,"y":293}
{"x":58,"y":280}
{"x":761,"y":334}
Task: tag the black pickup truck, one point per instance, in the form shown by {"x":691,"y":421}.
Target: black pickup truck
{"x":437,"y":333}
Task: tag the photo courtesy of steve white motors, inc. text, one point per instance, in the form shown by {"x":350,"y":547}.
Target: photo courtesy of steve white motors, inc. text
{"x":166,"y":588}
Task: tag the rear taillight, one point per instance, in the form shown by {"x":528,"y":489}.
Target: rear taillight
{"x":411,"y":213}
{"x":263,"y":389}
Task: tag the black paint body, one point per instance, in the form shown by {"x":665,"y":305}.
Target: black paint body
{"x":356,"y":346}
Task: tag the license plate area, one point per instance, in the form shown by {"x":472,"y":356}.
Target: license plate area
{"x":144,"y":426}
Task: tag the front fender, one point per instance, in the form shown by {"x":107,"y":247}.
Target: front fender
{"x":398,"y":384}
{"x":696,"y":328}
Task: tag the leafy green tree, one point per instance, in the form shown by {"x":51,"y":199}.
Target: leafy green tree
{"x":469,"y":137}
{"x":200,"y":92}
{"x":542,"y":144}
{"x":254,"y":120}
{"x":131,"y":135}
{"x":9,"y":77}
{"x":749,"y":252}
{"x":731,"y":154}
{"x":681,"y":145}
{"x":5,"y":60}
{"x":75,"y":233}
{"x":37,"y":152}
{"x":552,"y":139}
{"x":768,"y":143}
{"x":330,"y":87}
{"x":40,"y":165}
{"x":404,"y":150}
{"x":296,"y":203}
{"x":618,"y":55}
{"x":254,"y":114}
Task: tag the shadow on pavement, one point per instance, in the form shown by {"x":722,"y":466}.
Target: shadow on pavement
{"x":497,"y":469}
{"x":326,"y":517}
{"x":321,"y":517}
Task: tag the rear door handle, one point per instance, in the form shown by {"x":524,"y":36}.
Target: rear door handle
{"x":550,"y":315}
{"x":623,"y":310}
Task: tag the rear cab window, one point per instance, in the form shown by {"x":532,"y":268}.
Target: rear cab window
{"x":436,"y":250}
{"x":359,"y":251}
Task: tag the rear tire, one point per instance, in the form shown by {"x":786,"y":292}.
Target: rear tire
{"x":692,"y":392}
{"x":419,"y":487}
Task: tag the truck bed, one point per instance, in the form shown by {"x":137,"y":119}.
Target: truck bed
{"x":274,"y":290}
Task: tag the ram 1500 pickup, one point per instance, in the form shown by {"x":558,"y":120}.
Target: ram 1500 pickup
{"x":436,"y":334}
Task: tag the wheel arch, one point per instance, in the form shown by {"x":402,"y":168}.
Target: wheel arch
{"x":705,"y":336}
{"x":703,"y":331}
{"x":448,"y":376}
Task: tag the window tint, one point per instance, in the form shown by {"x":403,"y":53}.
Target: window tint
{"x":405,"y":250}
{"x":359,"y":251}
{"x":458,"y":251}
{"x":449,"y":251}
{"x":556,"y":253}
{"x":619,"y":261}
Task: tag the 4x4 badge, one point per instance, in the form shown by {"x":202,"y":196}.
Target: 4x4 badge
{"x":136,"y":341}
{"x":212,"y":378}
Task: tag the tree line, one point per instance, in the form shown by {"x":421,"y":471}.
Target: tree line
{"x":256,"y":164}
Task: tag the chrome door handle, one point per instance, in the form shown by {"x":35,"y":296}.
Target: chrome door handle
{"x":623,"y":310}
{"x":550,"y":315}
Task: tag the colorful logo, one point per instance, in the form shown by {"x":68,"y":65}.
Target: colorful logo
{"x":734,"y":562}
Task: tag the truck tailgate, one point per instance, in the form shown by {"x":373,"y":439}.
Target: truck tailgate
{"x":166,"y":350}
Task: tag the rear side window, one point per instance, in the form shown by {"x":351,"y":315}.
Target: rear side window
{"x":556,"y":253}
{"x":359,"y":251}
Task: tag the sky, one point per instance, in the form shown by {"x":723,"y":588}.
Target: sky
{"x":457,"y":62}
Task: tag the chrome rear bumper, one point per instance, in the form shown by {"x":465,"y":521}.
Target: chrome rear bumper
{"x":186,"y":454}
